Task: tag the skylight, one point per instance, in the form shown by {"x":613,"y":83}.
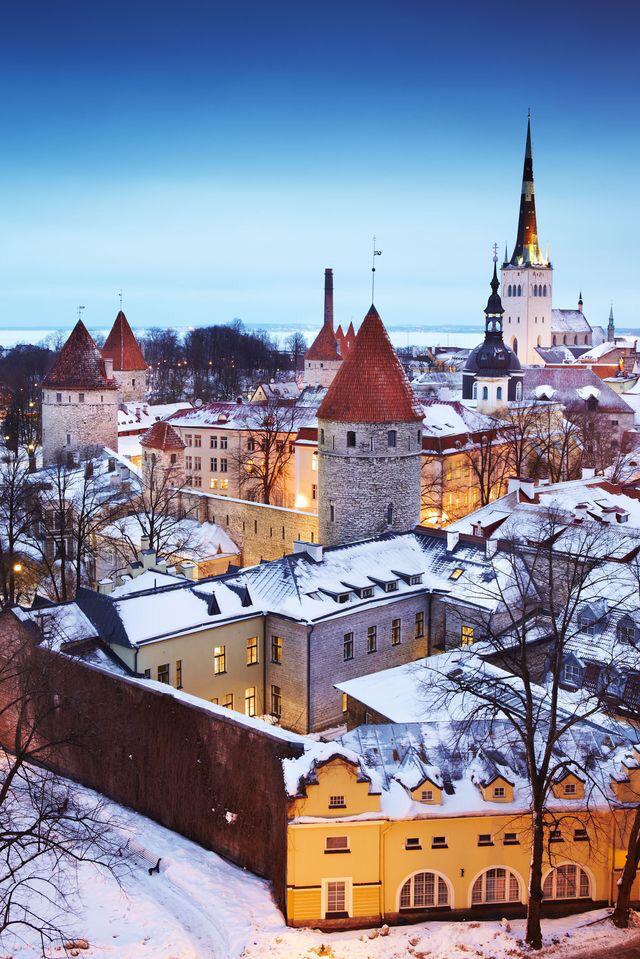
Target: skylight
{"x":456,"y":574}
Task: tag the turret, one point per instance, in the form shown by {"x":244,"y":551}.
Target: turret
{"x":129,"y":365}
{"x":323,"y":358}
{"x":79,"y":401}
{"x":369,"y":443}
{"x":163,"y":464}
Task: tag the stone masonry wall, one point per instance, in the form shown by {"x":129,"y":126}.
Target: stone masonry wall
{"x":327,"y":662}
{"x":360,"y":482}
{"x":320,"y":372}
{"x":291,"y":674}
{"x":261,"y":531}
{"x":132,"y":385}
{"x":89,"y":424}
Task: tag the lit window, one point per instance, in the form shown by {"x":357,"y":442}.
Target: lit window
{"x":252,"y":650}
{"x":163,"y":673}
{"x":227,"y":701}
{"x":250,"y":701}
{"x":456,"y":574}
{"x":372,"y":639}
{"x":276,"y":649}
{"x":314,"y":492}
{"x":344,"y":702}
{"x":219,"y":659}
{"x":466,"y":636}
{"x":396,"y":632}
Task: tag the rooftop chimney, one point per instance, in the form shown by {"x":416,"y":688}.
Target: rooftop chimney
{"x":313,"y":550}
{"x":328,"y":298}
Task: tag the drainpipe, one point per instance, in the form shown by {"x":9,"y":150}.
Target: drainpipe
{"x":383,"y":831}
{"x":309,"y":634}
{"x":429,"y":624}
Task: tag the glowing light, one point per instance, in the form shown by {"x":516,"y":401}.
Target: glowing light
{"x":17,"y":567}
{"x":301,"y":501}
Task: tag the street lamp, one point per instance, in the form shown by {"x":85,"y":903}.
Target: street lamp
{"x":17,"y":567}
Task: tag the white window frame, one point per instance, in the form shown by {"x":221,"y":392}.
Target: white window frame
{"x":348,"y":894}
{"x":578,"y":865}
{"x":438,"y":875}
{"x":504,"y":902}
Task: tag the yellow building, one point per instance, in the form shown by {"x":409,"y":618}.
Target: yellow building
{"x":393,"y":838}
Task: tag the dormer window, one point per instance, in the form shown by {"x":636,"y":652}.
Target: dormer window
{"x":426,"y":795}
{"x":587,"y":624}
{"x":366,"y":593}
{"x":572,"y":674}
{"x":498,"y":792}
{"x":415,"y":580}
{"x":456,"y":574}
{"x":626,"y":630}
{"x":391,"y":586}
{"x":570,"y":789}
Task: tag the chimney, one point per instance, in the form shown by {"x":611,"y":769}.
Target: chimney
{"x":108,"y":368}
{"x":490,"y":548}
{"x":328,"y":298}
{"x":452,"y":540}
{"x":188,"y":570}
{"x":313,"y":550}
{"x":527,"y":486}
{"x":148,"y":558}
{"x":145,"y":542}
{"x":105,"y":586}
{"x":588,"y":472}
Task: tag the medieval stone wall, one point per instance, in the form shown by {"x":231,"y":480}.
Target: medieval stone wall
{"x":207,"y":775}
{"x":261,"y":531}
{"x":75,"y":425}
{"x":320,"y":372}
{"x":132,"y":385}
{"x":357,"y":485}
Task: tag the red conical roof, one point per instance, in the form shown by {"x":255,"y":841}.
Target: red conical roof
{"x":80,"y":365}
{"x":325,"y":346}
{"x":162,"y":436}
{"x":122,"y":347}
{"x":370,"y":386}
{"x":341,"y":340}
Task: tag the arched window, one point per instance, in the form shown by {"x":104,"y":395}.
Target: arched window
{"x":564,"y":339}
{"x":496,"y":885}
{"x":554,"y":341}
{"x":519,"y":290}
{"x":499,"y":393}
{"x":425,"y":890}
{"x":575,"y":341}
{"x":390,"y":514}
{"x":586,"y":340}
{"x":474,"y":393}
{"x":391,"y":438}
{"x":544,"y":290}
{"x":518,"y":391}
{"x":535,"y":289}
{"x":567,"y":882}
{"x":485,"y":392}
{"x":351,"y":438}
{"x":514,"y":346}
{"x":509,"y":290}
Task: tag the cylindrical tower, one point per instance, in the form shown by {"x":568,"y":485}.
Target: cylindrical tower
{"x":369,"y":444}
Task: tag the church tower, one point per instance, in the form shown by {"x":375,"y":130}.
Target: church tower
{"x":369,"y":443}
{"x":527,"y":278}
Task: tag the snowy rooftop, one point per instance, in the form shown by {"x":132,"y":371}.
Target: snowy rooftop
{"x":596,"y":353}
{"x":239,"y":416}
{"x":139,"y":417}
{"x":569,"y":321}
{"x":192,"y":540}
{"x":569,"y":383}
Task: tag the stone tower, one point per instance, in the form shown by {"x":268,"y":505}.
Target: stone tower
{"x":492,"y":375}
{"x":79,"y":401}
{"x":162,"y":457}
{"x":323,"y":358}
{"x":129,"y":365}
{"x":527,"y":278}
{"x":369,"y":443}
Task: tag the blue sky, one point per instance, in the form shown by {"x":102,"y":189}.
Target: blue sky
{"x":211,"y":159}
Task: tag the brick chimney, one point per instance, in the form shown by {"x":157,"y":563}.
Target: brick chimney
{"x":328,"y":298}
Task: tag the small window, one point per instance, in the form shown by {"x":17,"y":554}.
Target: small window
{"x":250,"y":701}
{"x":224,"y":442}
{"x":466,"y":635}
{"x":412,"y":843}
{"x":498,"y":792}
{"x":347,"y":647}
{"x":276,"y":702}
{"x":391,"y":586}
{"x":485,"y":392}
{"x":580,"y":835}
{"x":510,"y":839}
{"x":252,"y":650}
{"x":336,"y":844}
{"x":396,"y":632}
{"x":419,"y":626}
{"x":484,"y":839}
{"x":570,"y":789}
{"x":213,"y":442}
{"x":332,"y":513}
{"x":415,"y":580}
{"x":392,"y":438}
{"x":223,"y":466}
{"x":337,"y":802}
{"x":314,"y":492}
{"x":58,"y":397}
{"x":572,"y":674}
{"x":426,"y":795}
{"x":321,"y":437}
{"x":81,"y":397}
{"x":372,"y":639}
{"x":439,"y":842}
{"x":219,"y":659}
{"x":163,"y":673}
{"x":456,"y":574}
{"x":351,"y":438}
{"x":197,"y":440}
{"x":227,"y":700}
{"x":213,"y":463}
{"x":587,"y":625}
{"x":366,"y":593}
{"x":555,"y":836}
{"x":147,"y":674}
{"x":276,"y":649}
{"x":499,"y":393}
{"x":390,"y":514}
{"x":179,"y":673}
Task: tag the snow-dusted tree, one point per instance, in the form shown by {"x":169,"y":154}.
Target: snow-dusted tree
{"x":49,"y":826}
{"x":541,"y":578}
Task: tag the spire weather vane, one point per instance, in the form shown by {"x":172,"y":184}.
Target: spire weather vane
{"x":120,"y":297}
{"x":495,"y":252}
{"x":80,"y":309}
{"x":374,"y":254}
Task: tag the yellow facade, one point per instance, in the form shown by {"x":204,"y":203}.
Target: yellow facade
{"x":346,"y":871}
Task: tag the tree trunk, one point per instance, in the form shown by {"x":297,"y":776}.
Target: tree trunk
{"x":534,"y":905}
{"x":621,"y":912}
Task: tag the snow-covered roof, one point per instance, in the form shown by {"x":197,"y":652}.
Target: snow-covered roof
{"x":567,"y":381}
{"x":139,"y":417}
{"x":62,"y":623}
{"x":188,"y":537}
{"x":596,"y":353}
{"x":279,"y":391}
{"x":452,"y":419}
{"x":239,"y":416}
{"x":569,"y":321}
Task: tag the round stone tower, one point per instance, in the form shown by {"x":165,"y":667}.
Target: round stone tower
{"x":79,"y":401}
{"x":130,"y":368}
{"x":162,"y":457}
{"x":369,"y":444}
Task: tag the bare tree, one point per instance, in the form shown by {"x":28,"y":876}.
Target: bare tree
{"x":15,"y":528}
{"x":487,"y":456}
{"x":266,"y":449}
{"x":296,"y":346}
{"x":532,"y":575}
{"x":49,"y":825}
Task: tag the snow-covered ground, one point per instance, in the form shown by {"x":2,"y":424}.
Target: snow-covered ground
{"x":201,"y":907}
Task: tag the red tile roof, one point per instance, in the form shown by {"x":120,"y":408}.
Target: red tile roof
{"x":350,"y":336}
{"x":122,"y":347}
{"x":341,"y":340}
{"x":80,"y":364}
{"x":370,"y":386}
{"x":162,"y":436}
{"x":325,"y":346}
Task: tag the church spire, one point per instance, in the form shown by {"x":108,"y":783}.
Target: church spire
{"x":526,"y":251}
{"x":494,"y":310}
{"x":611,"y":330}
